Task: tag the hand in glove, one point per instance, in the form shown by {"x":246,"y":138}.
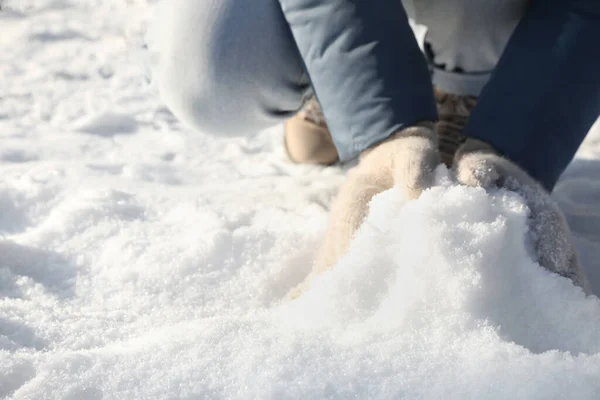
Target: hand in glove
{"x":407,"y":161}
{"x":477,"y":164}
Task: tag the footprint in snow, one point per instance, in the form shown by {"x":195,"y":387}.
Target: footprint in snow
{"x":108,"y":125}
{"x":17,"y":156}
{"x":59,"y":36}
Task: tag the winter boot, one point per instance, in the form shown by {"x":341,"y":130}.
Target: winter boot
{"x":307,"y":138}
{"x":454,"y":112}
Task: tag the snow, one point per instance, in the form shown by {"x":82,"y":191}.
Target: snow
{"x":140,"y":260}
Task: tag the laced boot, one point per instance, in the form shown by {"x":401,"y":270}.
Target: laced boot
{"x":307,"y":138}
{"x":454,"y":112}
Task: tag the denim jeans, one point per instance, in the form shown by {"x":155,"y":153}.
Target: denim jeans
{"x":237,"y":66}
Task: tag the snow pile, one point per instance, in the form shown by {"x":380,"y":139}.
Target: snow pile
{"x":437,"y":298}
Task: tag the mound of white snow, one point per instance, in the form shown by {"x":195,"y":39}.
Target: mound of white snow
{"x":437,"y":298}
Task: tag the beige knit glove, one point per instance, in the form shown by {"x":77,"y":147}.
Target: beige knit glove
{"x":407,"y":161}
{"x":477,"y":164}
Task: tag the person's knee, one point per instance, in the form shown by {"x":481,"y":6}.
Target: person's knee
{"x":220,"y":71}
{"x":185,"y":69}
{"x":203,"y":107}
{"x":220,"y":106}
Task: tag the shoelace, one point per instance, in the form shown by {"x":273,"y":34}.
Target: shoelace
{"x":312,"y":112}
{"x":454,"y":112}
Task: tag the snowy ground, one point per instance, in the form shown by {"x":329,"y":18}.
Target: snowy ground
{"x":139,"y":260}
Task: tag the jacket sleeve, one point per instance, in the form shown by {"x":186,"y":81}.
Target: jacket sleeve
{"x":544,"y":94}
{"x":365,"y":67}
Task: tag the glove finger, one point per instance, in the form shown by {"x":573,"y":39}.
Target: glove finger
{"x":551,"y":237}
{"x":416,"y":159}
{"x":476,"y":165}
